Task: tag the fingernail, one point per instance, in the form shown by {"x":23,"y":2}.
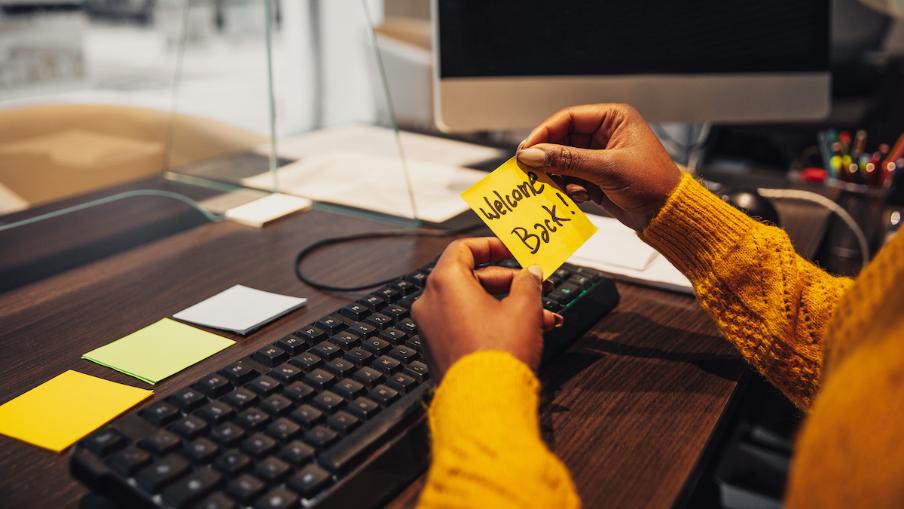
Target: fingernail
{"x":532,"y":157}
{"x":580,"y":196}
{"x":520,"y":145}
{"x":536,"y":271}
{"x":559,"y":320}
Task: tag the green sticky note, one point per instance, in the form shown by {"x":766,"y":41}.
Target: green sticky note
{"x":158,"y":350}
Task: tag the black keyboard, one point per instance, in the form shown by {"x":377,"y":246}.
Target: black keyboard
{"x":330,"y":416}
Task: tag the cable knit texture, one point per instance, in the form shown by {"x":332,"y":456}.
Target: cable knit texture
{"x":845,"y":368}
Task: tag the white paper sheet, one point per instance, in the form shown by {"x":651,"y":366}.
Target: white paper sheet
{"x":240,"y":309}
{"x":267,"y":209}
{"x":376,"y":183}
{"x":616,"y":250}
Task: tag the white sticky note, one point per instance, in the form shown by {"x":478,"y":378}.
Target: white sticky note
{"x":262,"y":211}
{"x":240,"y":309}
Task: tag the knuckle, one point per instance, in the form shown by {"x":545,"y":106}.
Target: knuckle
{"x":567,"y":158}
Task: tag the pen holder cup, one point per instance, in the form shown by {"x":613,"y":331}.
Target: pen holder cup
{"x":866,"y":205}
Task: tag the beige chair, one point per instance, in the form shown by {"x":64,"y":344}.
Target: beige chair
{"x":51,"y":151}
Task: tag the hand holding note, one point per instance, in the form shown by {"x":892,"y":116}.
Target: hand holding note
{"x":535,"y":220}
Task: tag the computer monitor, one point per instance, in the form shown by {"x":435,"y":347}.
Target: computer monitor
{"x":508,"y":64}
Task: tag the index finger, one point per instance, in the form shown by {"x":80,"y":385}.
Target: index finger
{"x":585,"y":119}
{"x":469,"y":252}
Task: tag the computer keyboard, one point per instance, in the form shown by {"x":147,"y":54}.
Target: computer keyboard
{"x":329,"y":416}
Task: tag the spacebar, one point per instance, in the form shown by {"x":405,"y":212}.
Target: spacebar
{"x":351,"y":450}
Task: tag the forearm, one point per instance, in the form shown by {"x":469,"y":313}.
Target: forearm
{"x":770,"y":303}
{"x":487,"y":450}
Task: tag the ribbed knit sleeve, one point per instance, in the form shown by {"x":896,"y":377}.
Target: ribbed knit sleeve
{"x":487,"y":450}
{"x":773,"y":305}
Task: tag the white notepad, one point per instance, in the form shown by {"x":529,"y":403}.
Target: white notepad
{"x":240,"y":309}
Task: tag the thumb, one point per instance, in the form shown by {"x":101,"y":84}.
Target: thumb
{"x":525,"y":291}
{"x":594,"y":165}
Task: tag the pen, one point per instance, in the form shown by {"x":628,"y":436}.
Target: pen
{"x":859,"y":143}
{"x":897,"y":152}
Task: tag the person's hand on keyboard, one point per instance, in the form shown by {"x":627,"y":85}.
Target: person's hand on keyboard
{"x":607,"y":153}
{"x":458,"y":313}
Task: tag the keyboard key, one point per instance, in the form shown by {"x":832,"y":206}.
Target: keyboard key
{"x":271,"y":356}
{"x":278,"y":498}
{"x":283,"y":429}
{"x":105,"y":441}
{"x":188,"y":427}
{"x":160,"y":413}
{"x":403,"y":353}
{"x":359,"y":356}
{"x":552,"y":305}
{"x":326,"y":350}
{"x":297,"y":452}
{"x":407,"y":326}
{"x":340,"y":366}
{"x":213,"y":385}
{"x":395,"y":312}
{"x":129,"y":460}
{"x":298,"y":391}
{"x":215,"y":411}
{"x":418,"y":278}
{"x":306,"y":361}
{"x":581,"y":281}
{"x":376,"y":345}
{"x":192,"y":487}
{"x":331,"y":324}
{"x":240,"y":398}
{"x":383,"y":395}
{"x":162,"y":471}
{"x":364,"y":408}
{"x":319,"y":378}
{"x":307,"y":416}
{"x":264,"y":385}
{"x":404,"y":287}
{"x":311,"y":334}
{"x":285,"y":373}
{"x":394,"y":335}
{"x":258,"y":445}
{"x":348,"y":388}
{"x":368,"y":376}
{"x":309,"y":480}
{"x":276,"y":404}
{"x":216,"y":501}
{"x":160,"y":442}
{"x":354,"y":311}
{"x":327,"y":401}
{"x":271,"y":469}
{"x":388,"y":293}
{"x":293,"y":345}
{"x":245,"y":487}
{"x":562,"y":273}
{"x":386,"y":364}
{"x":187,"y":399}
{"x":415,"y":342}
{"x":401,"y":382}
{"x":239,"y":372}
{"x":345,"y":339}
{"x":409,"y":300}
{"x":418,"y":370}
{"x":363,"y":329}
{"x":378,"y":320}
{"x":227,"y":433}
{"x":342,"y":421}
{"x":232,"y":462}
{"x":320,"y":436}
{"x":252,"y":418}
{"x":372,"y":302}
{"x":201,"y":450}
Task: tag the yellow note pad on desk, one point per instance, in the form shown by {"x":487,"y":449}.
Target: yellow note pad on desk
{"x":535,"y":219}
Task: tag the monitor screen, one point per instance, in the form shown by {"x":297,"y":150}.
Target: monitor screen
{"x":578,"y":38}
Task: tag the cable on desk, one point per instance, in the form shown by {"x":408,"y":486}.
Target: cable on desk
{"x":797,"y":194}
{"x":304,"y":253}
{"x":210,"y":216}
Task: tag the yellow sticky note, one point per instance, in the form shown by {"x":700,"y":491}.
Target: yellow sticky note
{"x":57,"y":413}
{"x":158,"y":350}
{"x":535,"y":219}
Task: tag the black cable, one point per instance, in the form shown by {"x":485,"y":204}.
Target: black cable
{"x":362,"y":236}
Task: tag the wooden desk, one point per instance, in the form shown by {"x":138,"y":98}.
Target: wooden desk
{"x":631,"y":407}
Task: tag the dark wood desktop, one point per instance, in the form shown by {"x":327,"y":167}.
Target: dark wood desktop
{"x":630,"y":408}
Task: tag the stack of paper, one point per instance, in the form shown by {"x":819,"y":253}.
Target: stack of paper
{"x":240,"y":309}
{"x":260,"y":212}
{"x":616,"y":250}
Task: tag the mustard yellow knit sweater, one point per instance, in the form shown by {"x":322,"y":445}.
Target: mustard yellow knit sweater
{"x":833,"y":346}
